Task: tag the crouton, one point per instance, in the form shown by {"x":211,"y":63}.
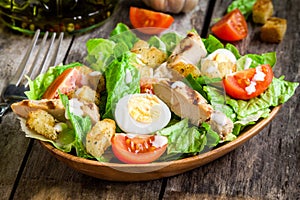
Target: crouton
{"x":262,"y":11}
{"x":150,"y":56}
{"x":273,"y":30}
{"x":43,"y":123}
{"x":99,"y":138}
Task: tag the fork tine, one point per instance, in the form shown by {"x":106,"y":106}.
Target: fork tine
{"x":43,"y":64}
{"x":33,"y":69}
{"x":22,"y":68}
{"x":60,"y":39}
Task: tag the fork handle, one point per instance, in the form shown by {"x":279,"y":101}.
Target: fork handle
{"x":13,"y":93}
{"x":3,"y":109}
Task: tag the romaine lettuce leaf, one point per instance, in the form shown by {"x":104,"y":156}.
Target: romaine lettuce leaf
{"x":170,"y":40}
{"x":158,"y":43}
{"x":185,"y":139}
{"x":64,"y":142}
{"x":122,"y":78}
{"x":277,"y":93}
{"x":245,"y":6}
{"x":80,"y":125}
{"x":101,"y":52}
{"x":256,"y":60}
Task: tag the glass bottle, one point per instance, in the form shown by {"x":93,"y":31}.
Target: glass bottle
{"x":71,"y":16}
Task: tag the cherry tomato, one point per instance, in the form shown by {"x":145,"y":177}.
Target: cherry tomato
{"x":138,"y":149}
{"x":65,"y":83}
{"x":232,"y":27}
{"x":147,"y":19}
{"x":248,"y":83}
{"x":146,"y":85}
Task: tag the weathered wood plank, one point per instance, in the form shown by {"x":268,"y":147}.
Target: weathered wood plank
{"x":45,"y":177}
{"x":267,"y":166}
{"x":13,"y":144}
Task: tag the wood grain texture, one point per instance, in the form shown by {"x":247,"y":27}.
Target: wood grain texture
{"x":266,"y":167}
{"x":13,"y":144}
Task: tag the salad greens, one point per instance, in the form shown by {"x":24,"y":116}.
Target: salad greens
{"x":113,"y":58}
{"x":122,"y":78}
{"x":245,"y":6}
{"x":81,"y":126}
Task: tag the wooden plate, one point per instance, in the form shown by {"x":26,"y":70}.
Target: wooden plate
{"x":144,"y":172}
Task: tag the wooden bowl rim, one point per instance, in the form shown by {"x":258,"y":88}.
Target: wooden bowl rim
{"x":218,"y":152}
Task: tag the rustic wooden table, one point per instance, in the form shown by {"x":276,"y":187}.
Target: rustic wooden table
{"x":265,"y":167}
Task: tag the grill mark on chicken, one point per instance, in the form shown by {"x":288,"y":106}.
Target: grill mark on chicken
{"x":186,"y":102}
{"x":50,"y":105}
{"x":190,"y":34}
{"x":186,"y":47}
{"x":25,"y":103}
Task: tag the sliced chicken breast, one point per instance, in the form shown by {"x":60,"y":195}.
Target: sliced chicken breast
{"x":183,"y":101}
{"x":188,"y":103}
{"x":187,"y":54}
{"x":52,"y":106}
{"x":55,"y":108}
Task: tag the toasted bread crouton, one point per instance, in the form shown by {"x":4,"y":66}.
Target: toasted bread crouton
{"x":43,"y":123}
{"x":99,"y":138}
{"x":262,"y":11}
{"x":150,"y":56}
{"x":273,"y":30}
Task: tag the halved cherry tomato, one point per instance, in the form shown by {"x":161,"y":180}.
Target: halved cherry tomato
{"x":248,"y":83}
{"x":232,"y":27}
{"x":138,"y":149}
{"x":150,"y":22}
{"x":65,"y":83}
{"x":146,"y":85}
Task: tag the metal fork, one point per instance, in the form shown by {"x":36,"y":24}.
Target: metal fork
{"x":16,"y":87}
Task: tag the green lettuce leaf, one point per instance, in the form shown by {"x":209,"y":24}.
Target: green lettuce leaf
{"x":277,"y":93}
{"x":81,"y":126}
{"x":245,"y":6}
{"x":122,"y":78}
{"x":170,"y":40}
{"x":256,"y":60}
{"x":183,"y":139}
{"x":101,"y":52}
{"x":64,"y":142}
{"x":211,"y":44}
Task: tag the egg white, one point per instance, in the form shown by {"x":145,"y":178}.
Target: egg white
{"x":212,"y":67}
{"x":130,"y":125}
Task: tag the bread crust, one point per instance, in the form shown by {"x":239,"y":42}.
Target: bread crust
{"x":262,"y":10}
{"x":273,"y":30}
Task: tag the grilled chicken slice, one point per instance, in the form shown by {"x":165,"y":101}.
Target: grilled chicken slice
{"x":220,"y":123}
{"x":52,"y":106}
{"x":188,"y":103}
{"x":187,"y":54}
{"x":55,"y":108}
{"x":183,"y":101}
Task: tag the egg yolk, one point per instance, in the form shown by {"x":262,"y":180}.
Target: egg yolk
{"x":144,"y":109}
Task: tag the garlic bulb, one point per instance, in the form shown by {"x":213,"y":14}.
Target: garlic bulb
{"x":172,"y":6}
